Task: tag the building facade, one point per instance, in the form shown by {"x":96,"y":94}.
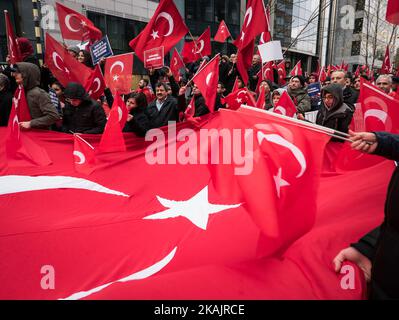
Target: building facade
{"x":362,"y":39}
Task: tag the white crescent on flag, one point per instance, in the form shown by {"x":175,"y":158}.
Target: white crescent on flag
{"x":279,"y":140}
{"x":117,"y":63}
{"x":379,"y":114}
{"x":68,"y":22}
{"x":249,"y":14}
{"x":81,"y":157}
{"x":208,"y":78}
{"x":202,"y":44}
{"x":169,"y":18}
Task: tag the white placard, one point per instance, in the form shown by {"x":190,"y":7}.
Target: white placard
{"x":271,"y":51}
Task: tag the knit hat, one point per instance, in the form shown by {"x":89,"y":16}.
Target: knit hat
{"x":301,"y":80}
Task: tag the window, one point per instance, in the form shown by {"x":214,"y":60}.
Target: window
{"x":360,"y":5}
{"x":358,"y":26}
{"x":355,"y":48}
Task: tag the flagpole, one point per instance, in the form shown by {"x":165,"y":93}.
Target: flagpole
{"x":312,"y":126}
{"x":201,"y":69}
{"x":195,"y":44}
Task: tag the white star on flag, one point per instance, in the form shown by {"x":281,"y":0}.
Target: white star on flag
{"x":280,"y":182}
{"x":154,"y":34}
{"x":196,"y":209}
{"x":242,"y":36}
{"x":83,"y":23}
{"x":116,"y":77}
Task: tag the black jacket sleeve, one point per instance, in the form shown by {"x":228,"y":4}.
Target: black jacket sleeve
{"x":388,"y":145}
{"x":368,"y":243}
{"x":174,"y":86}
{"x":99,"y":120}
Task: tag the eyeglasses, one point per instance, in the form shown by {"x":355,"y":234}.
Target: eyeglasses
{"x":328,"y":98}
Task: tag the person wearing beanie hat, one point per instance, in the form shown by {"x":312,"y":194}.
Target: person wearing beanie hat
{"x":81,"y":114}
{"x":299,"y":94}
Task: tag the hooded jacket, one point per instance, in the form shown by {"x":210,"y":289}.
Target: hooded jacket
{"x":42,"y":111}
{"x":280,"y":92}
{"x":5,"y":100}
{"x":300,"y":98}
{"x":339,"y":116}
{"x":88,"y":117}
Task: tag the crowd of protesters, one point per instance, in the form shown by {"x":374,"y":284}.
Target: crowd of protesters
{"x":160,"y":98}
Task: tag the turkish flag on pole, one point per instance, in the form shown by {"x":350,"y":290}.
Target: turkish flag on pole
{"x":265,"y":73}
{"x":297,"y":71}
{"x":380,"y":111}
{"x":207,"y":81}
{"x":255,"y":22}
{"x":285,"y":106}
{"x":194,"y":50}
{"x":84,"y":155}
{"x":20,"y":149}
{"x":386,"y":65}
{"x":323,"y":74}
{"x":282,"y":73}
{"x":260,"y":104}
{"x":96,"y":84}
{"x":112,"y":139}
{"x":21,"y":105}
{"x":190,"y":110}
{"x":223,"y":32}
{"x":63,"y":66}
{"x":393,"y":12}
{"x":176,"y":63}
{"x":239,"y":97}
{"x":75,"y":26}
{"x":118,"y":73}
{"x":12,"y":45}
{"x":244,"y":60}
{"x":266,"y":36}
{"x":165,"y":29}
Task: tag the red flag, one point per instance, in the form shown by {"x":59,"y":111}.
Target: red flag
{"x":176,"y":63}
{"x":357,"y":72}
{"x":239,"y":97}
{"x":96,"y":84}
{"x":285,"y":106}
{"x":12,"y":45}
{"x":267,"y":74}
{"x":380,"y":111}
{"x":207,"y":81}
{"x":291,"y":156}
{"x":63,"y":66}
{"x":265,"y":36}
{"x":255,"y":22}
{"x":84,"y":155}
{"x":260,"y":104}
{"x":386,"y":65}
{"x":282,"y":73}
{"x":322,"y":75}
{"x":118,"y":72}
{"x":112,"y":139}
{"x":75,"y":26}
{"x":223,"y":32}
{"x":194,"y":50}
{"x":21,"y":105}
{"x":244,"y":61}
{"x":20,"y":149}
{"x":393,"y":12}
{"x":235,"y":86}
{"x":165,"y":29}
{"x":297,"y":71}
{"x":190,"y":110}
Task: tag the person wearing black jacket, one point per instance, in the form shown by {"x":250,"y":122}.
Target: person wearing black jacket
{"x":377,"y":253}
{"x":350,"y":95}
{"x":137,"y":121}
{"x":163,"y":108}
{"x":5,"y":100}
{"x":334,"y":113}
{"x":81,"y":114}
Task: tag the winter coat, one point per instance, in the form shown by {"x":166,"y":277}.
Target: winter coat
{"x":350,"y":97}
{"x":5,"y":107}
{"x":300,"y":98}
{"x":88,"y":117}
{"x":381,"y":245}
{"x":140,"y":123}
{"x":42,"y":110}
{"x":168,"y":112}
{"x":339,"y":116}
